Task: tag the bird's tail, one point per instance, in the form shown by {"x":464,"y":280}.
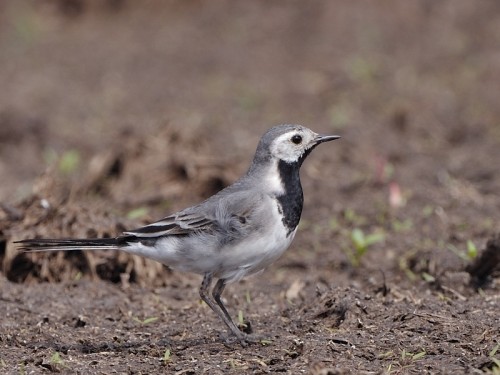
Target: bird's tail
{"x":50,"y":244}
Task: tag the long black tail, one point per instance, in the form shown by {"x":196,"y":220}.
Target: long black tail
{"x":52,"y":244}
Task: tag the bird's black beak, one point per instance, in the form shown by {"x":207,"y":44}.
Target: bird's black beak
{"x":325,"y":138}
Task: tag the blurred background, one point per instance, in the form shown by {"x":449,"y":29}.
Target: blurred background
{"x":386,"y":75}
{"x":135,"y":109}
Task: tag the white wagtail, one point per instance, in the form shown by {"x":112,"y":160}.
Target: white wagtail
{"x":237,"y":232}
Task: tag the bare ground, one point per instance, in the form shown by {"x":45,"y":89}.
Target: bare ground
{"x":114,"y":114}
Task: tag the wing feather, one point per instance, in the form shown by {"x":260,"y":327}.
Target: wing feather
{"x":177,"y":224}
{"x":231,"y":216}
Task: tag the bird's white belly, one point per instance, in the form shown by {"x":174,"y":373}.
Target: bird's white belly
{"x":254,"y":253}
{"x":232,"y":262}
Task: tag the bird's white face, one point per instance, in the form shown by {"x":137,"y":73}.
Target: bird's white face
{"x":290,"y":146}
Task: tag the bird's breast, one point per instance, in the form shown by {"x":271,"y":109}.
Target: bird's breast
{"x":256,"y":252}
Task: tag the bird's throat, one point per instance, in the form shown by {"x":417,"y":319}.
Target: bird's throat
{"x":290,"y":202}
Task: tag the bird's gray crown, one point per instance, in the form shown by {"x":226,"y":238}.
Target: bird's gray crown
{"x":278,"y":143}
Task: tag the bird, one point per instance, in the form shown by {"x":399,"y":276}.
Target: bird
{"x":235,"y":233}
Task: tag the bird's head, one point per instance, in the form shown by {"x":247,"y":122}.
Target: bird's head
{"x":289,"y":143}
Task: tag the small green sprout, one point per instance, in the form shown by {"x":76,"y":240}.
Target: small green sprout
{"x":471,"y":250}
{"x":496,"y":367}
{"x":418,"y":355}
{"x":387,"y":354}
{"x":494,"y":350}
{"x":361,"y":244}
{"x":248,"y":298}
{"x":137,"y":213}
{"x":69,"y":161}
{"x":468,"y":255}
{"x":405,"y":356}
{"x":167,"y":356}
{"x":403,"y":266}
{"x":428,"y":278}
{"x":232,"y":363}
{"x":56,"y":360}
{"x":241,"y":319}
{"x":146,"y":321}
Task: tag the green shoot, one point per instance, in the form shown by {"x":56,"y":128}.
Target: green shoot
{"x":468,"y":255}
{"x":428,"y":278}
{"x":418,"y":355}
{"x":137,"y":213}
{"x":471,"y":250}
{"x":496,"y":368}
{"x":409,"y":356}
{"x":56,"y":359}
{"x":404,"y":354}
{"x":241,"y":320}
{"x":146,"y":321}
{"x":232,"y":363}
{"x":386,"y":354}
{"x":361,"y":244}
{"x":494,"y":350}
{"x":166,"y":356}
{"x":248,"y":298}
{"x":69,"y":162}
{"x":403,"y":266}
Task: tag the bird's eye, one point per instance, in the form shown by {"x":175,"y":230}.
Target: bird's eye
{"x":297,"y":139}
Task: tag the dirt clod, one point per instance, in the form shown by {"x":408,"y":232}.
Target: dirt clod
{"x":487,"y":264}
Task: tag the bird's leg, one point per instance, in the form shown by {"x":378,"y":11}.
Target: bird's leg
{"x":218,"y":308}
{"x":216,"y":294}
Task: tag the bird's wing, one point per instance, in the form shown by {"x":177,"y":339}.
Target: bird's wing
{"x":230,"y":215}
{"x":181,"y":223}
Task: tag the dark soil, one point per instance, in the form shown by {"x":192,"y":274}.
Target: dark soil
{"x":116,"y":113}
